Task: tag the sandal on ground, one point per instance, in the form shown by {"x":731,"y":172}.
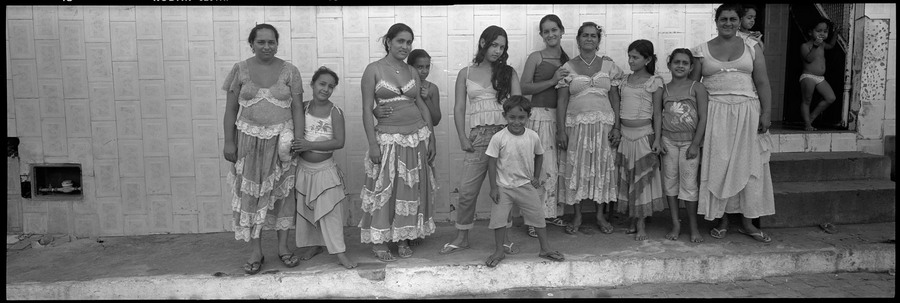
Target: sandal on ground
{"x":758,"y":236}
{"x":404,"y":251}
{"x":450,"y":248}
{"x":531,"y":232}
{"x":556,"y":221}
{"x":828,"y":228}
{"x":253,"y":268}
{"x":606,"y":229}
{"x":553,"y":256}
{"x":383,"y":255}
{"x":717,"y":233}
{"x":289,"y":260}
{"x":572,"y":229}
{"x":492,"y":262}
{"x":511,"y":248}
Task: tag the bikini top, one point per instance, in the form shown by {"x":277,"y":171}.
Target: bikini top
{"x":637,"y":99}
{"x":319,"y":129}
{"x":386,"y":92}
{"x":265,"y":112}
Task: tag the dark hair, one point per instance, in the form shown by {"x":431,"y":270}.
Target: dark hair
{"x":415,"y":55}
{"x":392,"y":32}
{"x":645,"y":48}
{"x":563,"y":57}
{"x":737,"y":8}
{"x":259,"y":27}
{"x":828,"y":24}
{"x":501,"y":73}
{"x":324,"y":70}
{"x":747,"y":7}
{"x":517,"y":101}
{"x":589,"y":24}
{"x":681,"y":51}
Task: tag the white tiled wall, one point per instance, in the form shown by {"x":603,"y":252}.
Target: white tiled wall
{"x":133,"y":93}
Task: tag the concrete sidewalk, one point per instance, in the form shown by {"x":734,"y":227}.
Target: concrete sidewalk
{"x":208,"y":265}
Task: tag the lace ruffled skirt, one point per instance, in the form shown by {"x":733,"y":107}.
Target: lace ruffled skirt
{"x":398,"y":195}
{"x":262,"y":184}
{"x":589,"y":161}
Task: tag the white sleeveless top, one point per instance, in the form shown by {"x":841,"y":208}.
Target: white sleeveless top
{"x":319,"y":129}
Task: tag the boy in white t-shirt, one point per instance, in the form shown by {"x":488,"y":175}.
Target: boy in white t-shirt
{"x":513,"y":168}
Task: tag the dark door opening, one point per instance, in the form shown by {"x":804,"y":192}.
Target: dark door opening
{"x":801,"y":19}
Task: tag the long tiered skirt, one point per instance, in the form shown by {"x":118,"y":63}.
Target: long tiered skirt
{"x":398,"y":195}
{"x":640,"y":183}
{"x":543,"y":121}
{"x":262,"y":186}
{"x":590,"y":164}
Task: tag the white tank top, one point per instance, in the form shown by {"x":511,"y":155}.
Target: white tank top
{"x":319,"y":129}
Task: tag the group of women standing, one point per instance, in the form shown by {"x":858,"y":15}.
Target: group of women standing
{"x":600,"y":128}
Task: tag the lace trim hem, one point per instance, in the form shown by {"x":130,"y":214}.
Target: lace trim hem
{"x":265,"y":94}
{"x":395,"y":234}
{"x":410,"y":140}
{"x":590,"y":118}
{"x":406,"y":207}
{"x":263,"y":132}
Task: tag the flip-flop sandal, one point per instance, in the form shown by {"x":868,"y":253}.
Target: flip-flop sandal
{"x":289,"y":260}
{"x":553,"y":256}
{"x":383,"y":255}
{"x":606,"y":229}
{"x":493,"y":262}
{"x":556,"y":221}
{"x":253,"y":268}
{"x":571,"y":229}
{"x":404,"y":251}
{"x":531,"y":232}
{"x":758,"y":236}
{"x":828,"y":228}
{"x":717,"y":233}
{"x":450,"y":248}
{"x":511,"y":248}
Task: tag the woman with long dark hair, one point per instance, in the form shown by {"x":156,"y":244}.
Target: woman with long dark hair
{"x":481,"y":89}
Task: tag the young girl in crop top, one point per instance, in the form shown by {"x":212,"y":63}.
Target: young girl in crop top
{"x":319,"y":181}
{"x":683,"y":125}
{"x":640,"y":188}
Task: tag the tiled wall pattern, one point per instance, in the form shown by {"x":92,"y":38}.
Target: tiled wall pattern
{"x":132,"y":94}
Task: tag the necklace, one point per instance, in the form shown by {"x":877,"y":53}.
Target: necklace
{"x":585,"y":62}
{"x":397,"y":70}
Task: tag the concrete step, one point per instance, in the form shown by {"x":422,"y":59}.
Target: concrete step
{"x":839,"y":202}
{"x":182,"y":266}
{"x":828,"y":166}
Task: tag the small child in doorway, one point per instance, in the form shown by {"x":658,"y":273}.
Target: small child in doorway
{"x":514,"y":168}
{"x":748,"y":20}
{"x":319,"y":181}
{"x":813,"y":78}
{"x":683,"y":125}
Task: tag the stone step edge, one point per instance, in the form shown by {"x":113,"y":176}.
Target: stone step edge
{"x":791,"y":187}
{"x":822,"y":156}
{"x":413,"y":282}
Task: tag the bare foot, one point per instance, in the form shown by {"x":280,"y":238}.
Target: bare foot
{"x":632,"y":229}
{"x":641,"y":234}
{"x":696,"y":237}
{"x":495,"y":259}
{"x":809,"y":127}
{"x":345,"y":261}
{"x":309,"y":252}
{"x":674,"y":233}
